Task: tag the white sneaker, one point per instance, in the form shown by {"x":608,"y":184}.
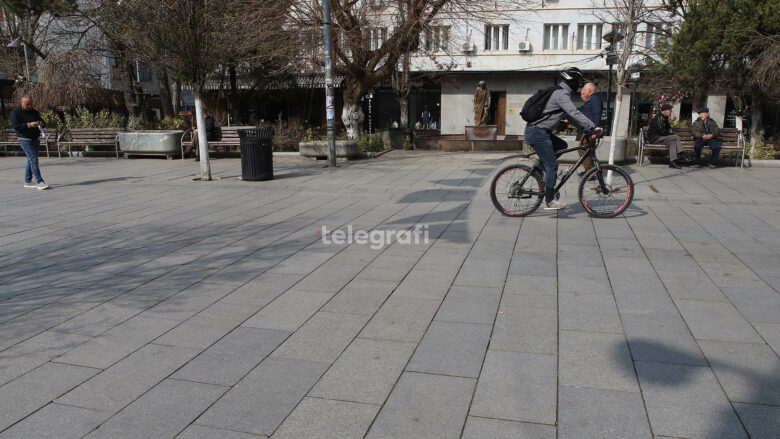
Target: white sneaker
{"x":554,"y":205}
{"x":30,"y":184}
{"x":42,"y":185}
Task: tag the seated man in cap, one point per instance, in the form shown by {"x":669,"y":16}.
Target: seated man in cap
{"x":706,"y":132}
{"x":660,"y":131}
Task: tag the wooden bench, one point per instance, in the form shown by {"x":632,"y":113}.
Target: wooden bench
{"x":89,"y":137}
{"x":730,"y":139}
{"x":227,"y":137}
{"x":8,"y":138}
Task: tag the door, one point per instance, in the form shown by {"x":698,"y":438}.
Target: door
{"x":500,"y":113}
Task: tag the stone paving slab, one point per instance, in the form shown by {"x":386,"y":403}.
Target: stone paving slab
{"x":162,"y":307}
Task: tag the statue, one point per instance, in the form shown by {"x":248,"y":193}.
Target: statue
{"x":481,"y":104}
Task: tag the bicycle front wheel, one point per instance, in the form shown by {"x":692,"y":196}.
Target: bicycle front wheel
{"x":517,"y":190}
{"x":603,"y":195}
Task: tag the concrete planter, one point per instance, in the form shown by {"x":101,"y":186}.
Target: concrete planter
{"x":157,"y":142}
{"x":319,"y":149}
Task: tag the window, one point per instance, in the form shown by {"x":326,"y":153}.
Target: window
{"x":653,"y":35}
{"x":556,"y":36}
{"x":496,"y":37}
{"x":589,"y":36}
{"x":375,"y":37}
{"x":437,"y":38}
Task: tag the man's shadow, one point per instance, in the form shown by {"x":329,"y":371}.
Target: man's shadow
{"x":763,"y":387}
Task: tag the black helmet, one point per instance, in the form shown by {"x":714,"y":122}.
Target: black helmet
{"x":573,"y":77}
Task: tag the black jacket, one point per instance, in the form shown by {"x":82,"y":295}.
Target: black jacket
{"x":697,"y":129}
{"x":20,"y":120}
{"x":659,"y":127}
{"x":592,"y":110}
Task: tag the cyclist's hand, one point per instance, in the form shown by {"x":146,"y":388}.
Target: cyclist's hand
{"x":597,"y":132}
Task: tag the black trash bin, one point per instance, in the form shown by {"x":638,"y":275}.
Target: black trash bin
{"x":256,"y":156}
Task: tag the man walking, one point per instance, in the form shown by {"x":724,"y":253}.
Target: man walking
{"x":706,"y":132}
{"x":660,"y":131}
{"x":27,"y":124}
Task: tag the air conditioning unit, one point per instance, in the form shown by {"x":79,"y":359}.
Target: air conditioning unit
{"x":524,"y":46}
{"x":468,"y":47}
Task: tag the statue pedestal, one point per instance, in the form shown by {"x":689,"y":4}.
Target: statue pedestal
{"x":482,"y":132}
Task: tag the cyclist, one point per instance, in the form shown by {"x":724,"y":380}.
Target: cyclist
{"x":539,"y":134}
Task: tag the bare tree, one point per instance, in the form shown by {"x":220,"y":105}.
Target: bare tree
{"x":371,"y":36}
{"x":624,"y":16}
{"x":194,"y":38}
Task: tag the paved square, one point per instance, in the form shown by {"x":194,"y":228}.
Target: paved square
{"x":135,"y":302}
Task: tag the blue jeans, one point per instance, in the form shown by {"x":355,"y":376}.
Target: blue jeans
{"x":714,"y":146}
{"x":30,"y":148}
{"x":545,"y":143}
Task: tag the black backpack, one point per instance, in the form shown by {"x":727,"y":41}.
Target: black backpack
{"x":533,"y":109}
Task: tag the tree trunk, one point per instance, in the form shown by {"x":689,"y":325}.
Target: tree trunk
{"x":404,"y":103}
{"x":352,"y":115}
{"x":129,"y":89}
{"x":233,"y":98}
{"x":176,"y":98}
{"x":165,"y":93}
{"x":756,"y":118}
{"x":203,"y":144}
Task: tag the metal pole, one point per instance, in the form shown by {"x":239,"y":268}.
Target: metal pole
{"x":26,"y":56}
{"x":609,"y":98}
{"x":330,"y":110}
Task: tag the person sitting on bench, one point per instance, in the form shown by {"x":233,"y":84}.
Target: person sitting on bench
{"x":660,"y":132}
{"x":706,"y":132}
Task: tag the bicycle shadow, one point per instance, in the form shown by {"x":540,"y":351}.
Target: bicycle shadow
{"x":674,"y":368}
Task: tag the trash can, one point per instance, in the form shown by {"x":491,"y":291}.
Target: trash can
{"x":256,"y":156}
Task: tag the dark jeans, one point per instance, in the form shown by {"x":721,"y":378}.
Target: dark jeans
{"x":714,"y":146}
{"x":545,"y":143}
{"x":30,"y":148}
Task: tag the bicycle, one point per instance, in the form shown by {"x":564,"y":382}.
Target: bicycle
{"x":604,"y":192}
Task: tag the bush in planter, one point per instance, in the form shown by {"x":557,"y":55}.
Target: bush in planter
{"x":172,"y":124}
{"x":83,"y":118}
{"x":762,"y":150}
{"x":370,"y":143}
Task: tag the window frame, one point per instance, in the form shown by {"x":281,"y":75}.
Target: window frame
{"x":592,"y":30}
{"x":496,"y":37}
{"x":561,"y":36}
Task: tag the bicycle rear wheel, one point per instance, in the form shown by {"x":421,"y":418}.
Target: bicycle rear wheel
{"x":602,"y":199}
{"x":517,"y":190}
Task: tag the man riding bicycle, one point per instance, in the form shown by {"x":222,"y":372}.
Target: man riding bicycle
{"x":539,"y":134}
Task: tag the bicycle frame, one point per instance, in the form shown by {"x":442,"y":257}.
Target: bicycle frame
{"x":590,"y":152}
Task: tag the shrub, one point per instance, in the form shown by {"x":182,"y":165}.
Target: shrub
{"x":408,"y":143}
{"x":287,"y":137}
{"x":86,"y":119}
{"x":370,"y":143}
{"x":172,"y":124}
{"x":313,"y":135}
{"x":762,"y":150}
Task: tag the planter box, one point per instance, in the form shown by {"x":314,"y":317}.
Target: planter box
{"x":319,"y":149}
{"x":158,"y":142}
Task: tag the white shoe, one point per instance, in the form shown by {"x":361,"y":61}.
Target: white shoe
{"x":554,"y":205}
{"x":30,"y":184}
{"x":42,"y":185}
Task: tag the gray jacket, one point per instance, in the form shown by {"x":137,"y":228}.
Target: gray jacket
{"x":561,"y":100}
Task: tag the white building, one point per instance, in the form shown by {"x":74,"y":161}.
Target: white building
{"x":522,"y":52}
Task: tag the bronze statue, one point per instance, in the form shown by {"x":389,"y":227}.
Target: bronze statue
{"x":481,"y":104}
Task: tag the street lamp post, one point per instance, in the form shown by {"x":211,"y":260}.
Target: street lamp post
{"x":612,"y":37}
{"x":330,"y":109}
